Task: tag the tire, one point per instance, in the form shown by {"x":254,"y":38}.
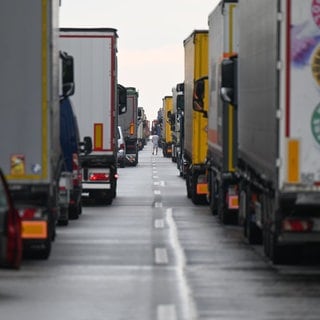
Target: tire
{"x":188,"y":185}
{"x":196,"y":199}
{"x":251,"y":231}
{"x":65,"y":221}
{"x":45,"y":253}
{"x":74,"y":212}
{"x":212,"y":199}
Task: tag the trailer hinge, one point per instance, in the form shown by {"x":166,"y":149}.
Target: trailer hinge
{"x":278,"y":163}
{"x":278,"y":114}
{"x":279,"y":65}
{"x":280,"y":16}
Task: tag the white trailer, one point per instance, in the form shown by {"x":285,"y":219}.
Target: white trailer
{"x":30,"y":153}
{"x":95,"y":104}
{"x":278,"y":119}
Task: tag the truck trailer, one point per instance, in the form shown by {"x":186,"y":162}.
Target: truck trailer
{"x":96,"y":106}
{"x":195,"y":122}
{"x":276,"y":82}
{"x":31,"y":156}
{"x":166,"y":138}
{"x":222,"y":117}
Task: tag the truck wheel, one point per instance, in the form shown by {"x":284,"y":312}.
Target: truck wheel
{"x":212,"y":198}
{"x":252,"y":232}
{"x":65,"y":214}
{"x":188,"y":185}
{"x":45,"y":252}
{"x":74,"y":212}
{"x":196,"y":198}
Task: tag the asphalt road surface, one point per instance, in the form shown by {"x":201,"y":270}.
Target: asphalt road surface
{"x":153,"y":255}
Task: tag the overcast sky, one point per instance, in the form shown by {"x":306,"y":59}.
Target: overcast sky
{"x":150,"y":43}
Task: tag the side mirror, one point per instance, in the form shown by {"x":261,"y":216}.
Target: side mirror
{"x":122,"y":99}
{"x":198,"y":95}
{"x":67,"y":74}
{"x":86,"y":145}
{"x":228,"y":87}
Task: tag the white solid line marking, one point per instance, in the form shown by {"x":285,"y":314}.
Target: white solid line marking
{"x":161,"y":256}
{"x":166,"y":312}
{"x":156,"y":191}
{"x":159,"y":223}
{"x":189,"y":310}
{"x":158,"y":204}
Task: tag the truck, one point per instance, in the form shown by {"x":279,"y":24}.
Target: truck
{"x":274,"y":84}
{"x":166,"y":138}
{"x":96,"y":105}
{"x":142,"y":135}
{"x":196,"y":122}
{"x":177,"y":127}
{"x":70,"y":182}
{"x":128,"y":121}
{"x":222,"y":157}
{"x":31,"y":156}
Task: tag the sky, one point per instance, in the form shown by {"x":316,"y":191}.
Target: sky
{"x":150,"y":43}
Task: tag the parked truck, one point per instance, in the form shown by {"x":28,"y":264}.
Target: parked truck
{"x":177,"y":127}
{"x":222,"y":116}
{"x":96,"y":104}
{"x":274,"y":84}
{"x":142,"y":135}
{"x":31,"y":156}
{"x":128,"y":121}
{"x":195,"y":123}
{"x":166,"y":138}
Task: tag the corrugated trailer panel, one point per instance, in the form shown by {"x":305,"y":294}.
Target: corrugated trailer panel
{"x":29,"y":125}
{"x":223,"y":43}
{"x":94,"y":79}
{"x":258,"y":98}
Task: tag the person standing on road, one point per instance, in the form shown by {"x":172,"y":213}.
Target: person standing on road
{"x":155,"y":141}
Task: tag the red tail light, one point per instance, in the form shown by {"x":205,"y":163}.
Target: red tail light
{"x":99,"y":176}
{"x":30,"y":213}
{"x":116,"y":176}
{"x":297,"y":225}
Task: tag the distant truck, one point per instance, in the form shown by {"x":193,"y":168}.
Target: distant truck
{"x":31,"y":156}
{"x":96,"y":104}
{"x":221,"y":165}
{"x":195,"y":123}
{"x":166,"y":138}
{"x":142,"y":135}
{"x":177,"y":127}
{"x":128,"y":121}
{"x":274,"y":83}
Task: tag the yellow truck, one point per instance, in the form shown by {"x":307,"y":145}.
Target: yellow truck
{"x":195,"y":114}
{"x":222,"y":154}
{"x":166,"y":131}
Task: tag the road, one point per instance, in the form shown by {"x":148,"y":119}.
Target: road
{"x":153,"y":255}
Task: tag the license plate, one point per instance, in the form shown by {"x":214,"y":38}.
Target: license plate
{"x":34,"y":230}
{"x":202,"y":188}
